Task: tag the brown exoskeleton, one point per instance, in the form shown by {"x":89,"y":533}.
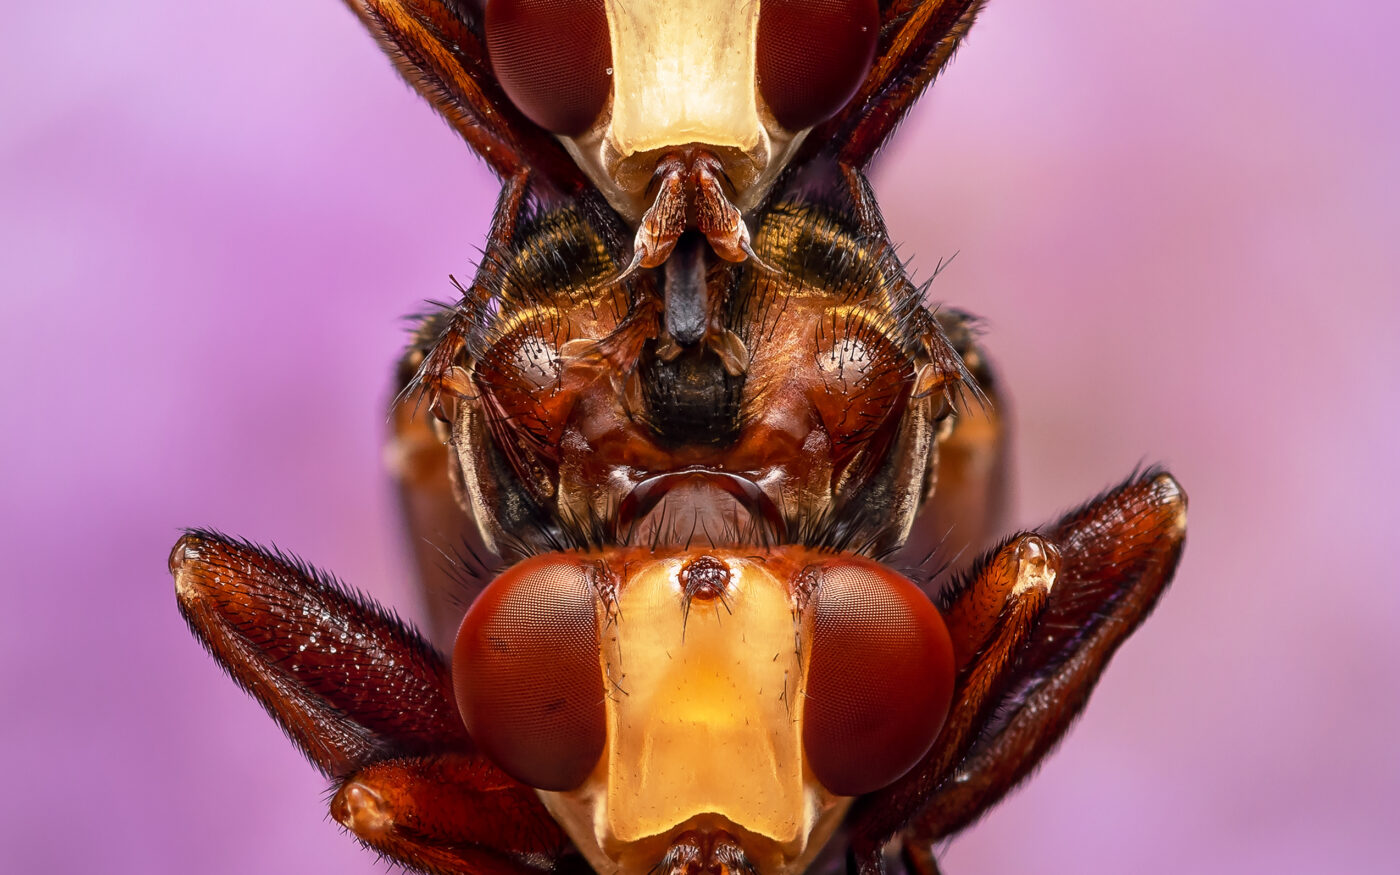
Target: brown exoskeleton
{"x":700,"y":453}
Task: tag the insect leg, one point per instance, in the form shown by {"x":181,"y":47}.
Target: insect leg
{"x":368,"y":701}
{"x":451,"y":557}
{"x":1116,"y":556}
{"x":439,"y":48}
{"x":990,"y":620}
{"x":1119,"y":555}
{"x":451,"y":813}
{"x":346,"y":679}
{"x":965,"y":494}
{"x":917,"y":37}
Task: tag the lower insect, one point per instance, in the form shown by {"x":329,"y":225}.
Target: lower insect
{"x":622,"y":710}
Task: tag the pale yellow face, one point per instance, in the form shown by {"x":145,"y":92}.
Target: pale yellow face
{"x":704,"y":724}
{"x":662,"y":53}
{"x":683,"y":73}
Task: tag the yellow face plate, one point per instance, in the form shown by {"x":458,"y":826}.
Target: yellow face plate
{"x":704,"y":722}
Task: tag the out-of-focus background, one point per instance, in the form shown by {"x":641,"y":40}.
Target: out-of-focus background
{"x":1179,"y":220}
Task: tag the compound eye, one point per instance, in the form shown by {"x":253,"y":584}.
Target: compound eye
{"x":527,"y":676}
{"x":813,"y":55}
{"x":880,"y":679}
{"x":552,"y":59}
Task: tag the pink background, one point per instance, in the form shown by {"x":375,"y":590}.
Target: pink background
{"x":1178,"y":218}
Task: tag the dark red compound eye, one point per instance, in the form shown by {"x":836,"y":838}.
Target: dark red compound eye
{"x":527,"y":675}
{"x":813,"y":55}
{"x":880,"y":680}
{"x":552,"y":57}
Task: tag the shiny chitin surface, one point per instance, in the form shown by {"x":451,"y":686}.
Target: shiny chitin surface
{"x":662,"y":440}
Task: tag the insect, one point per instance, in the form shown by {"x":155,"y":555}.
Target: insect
{"x":684,"y":466}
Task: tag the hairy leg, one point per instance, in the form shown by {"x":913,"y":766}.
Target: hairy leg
{"x":370,"y":703}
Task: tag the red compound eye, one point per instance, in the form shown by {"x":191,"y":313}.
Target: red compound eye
{"x":880,"y":681}
{"x":552,"y":59}
{"x":526,"y":673}
{"x":813,"y":55}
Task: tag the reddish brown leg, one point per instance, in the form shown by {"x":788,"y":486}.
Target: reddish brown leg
{"x":919,"y":859}
{"x":448,"y":551}
{"x":1033,"y":634}
{"x":449,"y":813}
{"x":438,"y":47}
{"x":917,"y":37}
{"x":989,"y":621}
{"x":450,"y":557}
{"x":370,"y":704}
{"x":966,"y":497}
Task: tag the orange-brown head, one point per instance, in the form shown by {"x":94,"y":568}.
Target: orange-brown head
{"x":735,"y":698}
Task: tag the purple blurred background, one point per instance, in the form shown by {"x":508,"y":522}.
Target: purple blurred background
{"x":1179,"y":220}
